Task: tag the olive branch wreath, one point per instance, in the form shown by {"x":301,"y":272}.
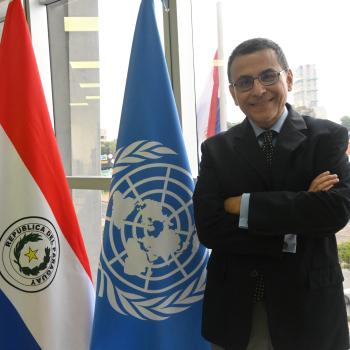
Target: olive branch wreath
{"x":32,"y":237}
{"x":158,"y":308}
{"x":137,"y":152}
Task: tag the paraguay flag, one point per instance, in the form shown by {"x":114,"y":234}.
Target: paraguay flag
{"x":46,"y":293}
{"x":208,"y":108}
{"x":152,"y":273}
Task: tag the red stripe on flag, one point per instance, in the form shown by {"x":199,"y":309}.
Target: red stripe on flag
{"x":25,"y":118}
{"x":214,"y":100}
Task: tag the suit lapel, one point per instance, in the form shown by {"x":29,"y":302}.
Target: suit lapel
{"x":246,"y":146}
{"x":291,"y":137}
{"x":243,"y":141}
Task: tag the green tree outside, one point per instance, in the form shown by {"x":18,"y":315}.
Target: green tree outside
{"x":344,"y":254}
{"x":108,"y":147}
{"x":345,"y":121}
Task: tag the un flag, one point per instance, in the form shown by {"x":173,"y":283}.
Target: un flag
{"x":151,"y":276}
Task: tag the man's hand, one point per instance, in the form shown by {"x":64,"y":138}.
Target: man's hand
{"x":323,"y":182}
{"x":233,"y":205}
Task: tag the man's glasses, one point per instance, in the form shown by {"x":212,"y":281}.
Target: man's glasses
{"x":266,"y":78}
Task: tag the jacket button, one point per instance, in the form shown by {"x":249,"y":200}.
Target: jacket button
{"x":253,"y":273}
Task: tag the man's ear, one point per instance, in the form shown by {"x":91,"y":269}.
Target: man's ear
{"x":289,"y":80}
{"x":233,"y":94}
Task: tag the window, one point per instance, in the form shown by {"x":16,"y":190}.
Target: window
{"x":314,"y":55}
{"x":89,"y":48}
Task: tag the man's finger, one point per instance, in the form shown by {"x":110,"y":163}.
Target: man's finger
{"x":328,"y":179}
{"x":327,"y":188}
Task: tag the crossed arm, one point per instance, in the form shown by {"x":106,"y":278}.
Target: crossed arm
{"x":320,"y":209}
{"x":323,"y":182}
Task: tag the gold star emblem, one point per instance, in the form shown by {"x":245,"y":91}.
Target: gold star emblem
{"x":31,"y":254}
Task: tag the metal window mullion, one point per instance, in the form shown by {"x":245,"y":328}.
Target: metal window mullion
{"x":47,"y":2}
{"x":171,"y":47}
{"x":89,"y":183}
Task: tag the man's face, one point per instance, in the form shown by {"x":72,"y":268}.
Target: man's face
{"x":262,"y":104}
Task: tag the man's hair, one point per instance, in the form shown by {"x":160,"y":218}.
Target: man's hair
{"x":253,"y":45}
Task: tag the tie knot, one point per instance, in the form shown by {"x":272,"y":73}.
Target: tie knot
{"x":267,"y":136}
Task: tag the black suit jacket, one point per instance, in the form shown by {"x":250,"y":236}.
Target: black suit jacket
{"x":304,"y":293}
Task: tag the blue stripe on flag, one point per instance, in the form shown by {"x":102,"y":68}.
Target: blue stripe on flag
{"x":217,"y":124}
{"x":16,"y":334}
{"x":152,"y":272}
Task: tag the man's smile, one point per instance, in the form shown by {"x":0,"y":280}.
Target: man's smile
{"x":261,"y":103}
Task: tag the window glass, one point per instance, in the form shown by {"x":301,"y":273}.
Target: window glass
{"x":317,"y":89}
{"x":74,"y":56}
{"x":90,"y":43}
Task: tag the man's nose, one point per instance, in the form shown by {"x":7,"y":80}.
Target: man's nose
{"x":258,"y":88}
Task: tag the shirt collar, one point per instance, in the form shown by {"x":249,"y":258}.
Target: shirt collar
{"x":276,"y":127}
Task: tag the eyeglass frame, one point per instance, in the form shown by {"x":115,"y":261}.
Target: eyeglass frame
{"x":234,"y":84}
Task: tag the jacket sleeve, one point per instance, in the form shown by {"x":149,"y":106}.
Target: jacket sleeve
{"x":216,"y":228}
{"x":308,"y":213}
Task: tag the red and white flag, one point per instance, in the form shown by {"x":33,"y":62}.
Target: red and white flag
{"x":208,"y":107}
{"x":46,"y":291}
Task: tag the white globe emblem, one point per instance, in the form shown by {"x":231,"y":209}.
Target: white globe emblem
{"x":152,"y":246}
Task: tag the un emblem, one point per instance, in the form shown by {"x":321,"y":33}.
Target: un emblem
{"x":151,"y":262}
{"x":29,"y":254}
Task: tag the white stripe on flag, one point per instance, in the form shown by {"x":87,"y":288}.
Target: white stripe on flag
{"x":58,"y":317}
{"x":203,"y":108}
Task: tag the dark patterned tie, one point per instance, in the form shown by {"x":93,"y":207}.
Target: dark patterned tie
{"x":267,"y":145}
{"x":267,"y":148}
{"x":259,"y":293}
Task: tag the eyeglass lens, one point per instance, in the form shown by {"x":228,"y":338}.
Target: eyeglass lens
{"x":266,"y":78}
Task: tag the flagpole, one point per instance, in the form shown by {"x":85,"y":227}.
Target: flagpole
{"x":221,"y":66}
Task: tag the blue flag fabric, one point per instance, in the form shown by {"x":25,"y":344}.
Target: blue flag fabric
{"x":152,"y":274}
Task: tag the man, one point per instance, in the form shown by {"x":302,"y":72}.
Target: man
{"x":269,"y":205}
